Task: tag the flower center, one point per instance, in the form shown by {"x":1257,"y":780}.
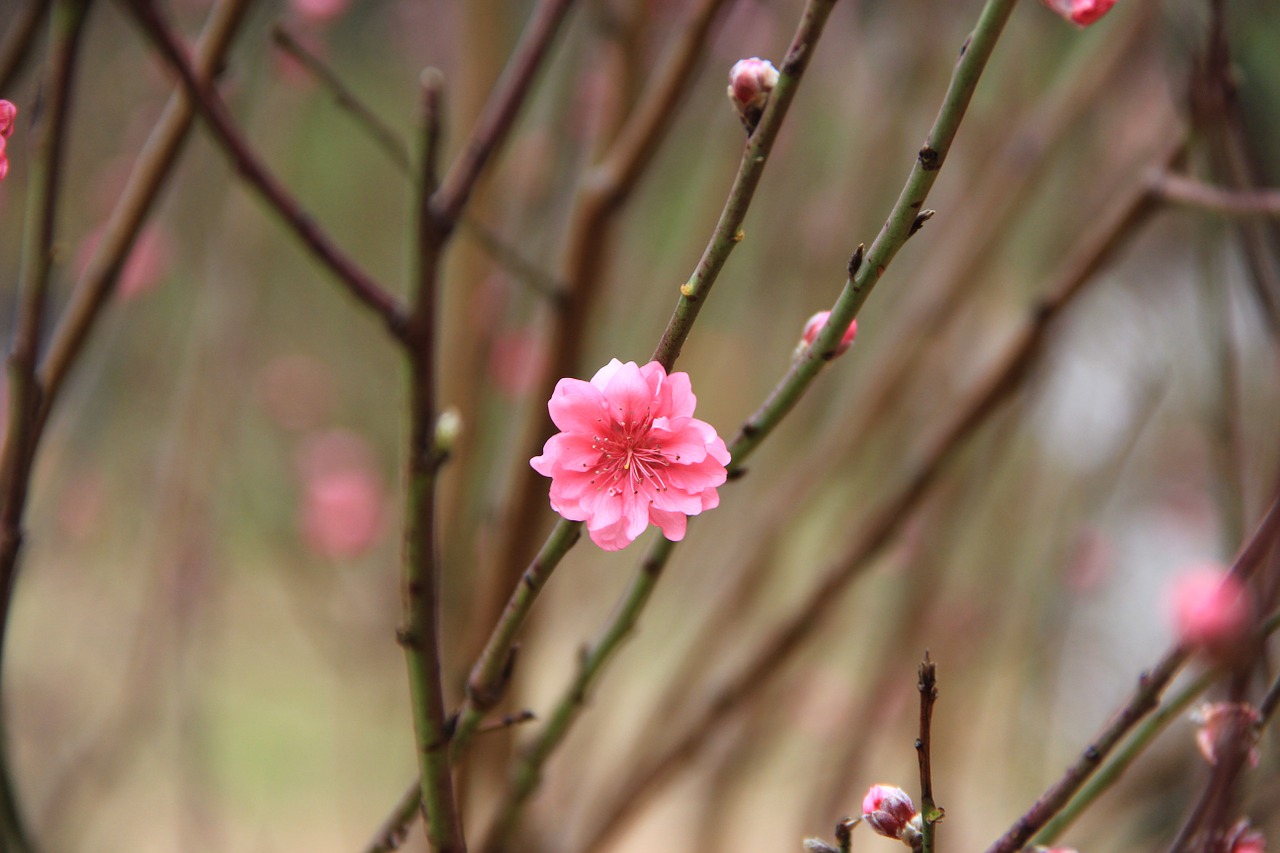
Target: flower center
{"x":628,"y":457}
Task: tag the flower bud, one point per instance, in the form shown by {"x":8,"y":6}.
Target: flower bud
{"x":814,"y":327}
{"x":1245,"y":839}
{"x":1210,"y":609}
{"x":1082,"y":13}
{"x":8,"y":112}
{"x":1217,"y":719}
{"x":890,"y":812}
{"x":750,"y":82}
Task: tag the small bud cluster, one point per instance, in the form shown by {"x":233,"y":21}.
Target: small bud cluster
{"x":750,"y":83}
{"x":1210,"y":610}
{"x":8,"y":112}
{"x":1082,"y":13}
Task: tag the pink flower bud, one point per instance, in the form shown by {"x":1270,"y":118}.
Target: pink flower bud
{"x":1246,"y":839}
{"x":815,"y":326}
{"x":889,"y":811}
{"x":1216,"y":719}
{"x":750,"y":82}
{"x":1210,"y":609}
{"x":8,"y":112}
{"x":4,"y":161}
{"x":1082,"y":13}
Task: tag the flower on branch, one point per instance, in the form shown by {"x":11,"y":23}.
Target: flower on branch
{"x":1082,"y":13}
{"x":1226,"y":719}
{"x":630,"y":453}
{"x":8,"y":112}
{"x":889,"y":811}
{"x":1210,"y":609}
{"x":814,"y":327}
{"x":1245,"y":839}
{"x":750,"y":82}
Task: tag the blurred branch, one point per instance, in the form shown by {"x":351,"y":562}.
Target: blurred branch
{"x":16,"y":48}
{"x":999,"y":382}
{"x":499,"y":112}
{"x":1143,"y":700}
{"x":212,"y":109}
{"x":420,"y":588}
{"x":154,"y":165}
{"x":381,"y":133}
{"x":1180,"y":189}
{"x":50,"y":124}
{"x":505,"y":255}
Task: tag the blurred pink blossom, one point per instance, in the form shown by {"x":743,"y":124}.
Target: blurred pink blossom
{"x":814,"y":326}
{"x":1082,"y":13}
{"x":297,"y":391}
{"x":1216,"y":718}
{"x":344,"y":500}
{"x":148,"y":261}
{"x":516,"y":361}
{"x":318,"y":11}
{"x":1246,"y":839}
{"x":889,"y":811}
{"x":1210,"y":609}
{"x":630,"y":453}
{"x":8,"y":112}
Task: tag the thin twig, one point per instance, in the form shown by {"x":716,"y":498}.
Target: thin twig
{"x":500,"y":111}
{"x":381,"y":133}
{"x":1144,"y":699}
{"x":420,"y":589}
{"x":49,"y":143}
{"x":1180,"y":189}
{"x":929,"y":811}
{"x":255,"y":173}
{"x":22,"y":35}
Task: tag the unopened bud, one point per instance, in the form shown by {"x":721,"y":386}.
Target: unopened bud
{"x":1245,"y":839}
{"x":1226,"y":719}
{"x":1082,"y":13}
{"x":448,"y":428}
{"x":750,"y":82}
{"x":817,"y":845}
{"x":8,"y":112}
{"x":814,"y":327}
{"x":890,"y":812}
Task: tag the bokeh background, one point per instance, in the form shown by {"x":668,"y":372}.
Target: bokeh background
{"x":202,"y":654}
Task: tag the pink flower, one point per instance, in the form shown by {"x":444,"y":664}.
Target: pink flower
{"x":1217,"y":719}
{"x":1210,"y":609}
{"x":750,"y":82}
{"x":630,"y":453}
{"x":1245,"y":839}
{"x":8,"y":112}
{"x":343,"y":497}
{"x":815,"y":325}
{"x":1082,"y":13}
{"x":889,"y":811}
{"x":319,"y":11}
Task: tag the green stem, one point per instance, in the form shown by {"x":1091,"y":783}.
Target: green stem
{"x":728,"y":231}
{"x":897,"y":229}
{"x":528,"y":771}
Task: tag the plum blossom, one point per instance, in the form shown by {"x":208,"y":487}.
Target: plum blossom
{"x":1082,"y":13}
{"x":8,"y":112}
{"x":1210,"y":609}
{"x":1243,"y":838}
{"x":630,"y":453}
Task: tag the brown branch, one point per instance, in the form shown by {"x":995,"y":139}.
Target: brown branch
{"x":1180,"y":189}
{"x":255,"y":173}
{"x":48,"y":146}
{"x":928,"y":687}
{"x":17,"y":45}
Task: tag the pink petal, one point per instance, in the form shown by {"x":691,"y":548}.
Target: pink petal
{"x":576,"y":406}
{"x":673,"y":524}
{"x":604,"y":374}
{"x":628,"y":394}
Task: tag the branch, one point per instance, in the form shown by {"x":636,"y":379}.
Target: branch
{"x":929,"y":811}
{"x":49,"y":142}
{"x":1180,"y":189}
{"x":21,"y":36}
{"x":216,"y":116}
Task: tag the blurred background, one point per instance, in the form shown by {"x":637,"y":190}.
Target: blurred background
{"x":202,"y":654}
